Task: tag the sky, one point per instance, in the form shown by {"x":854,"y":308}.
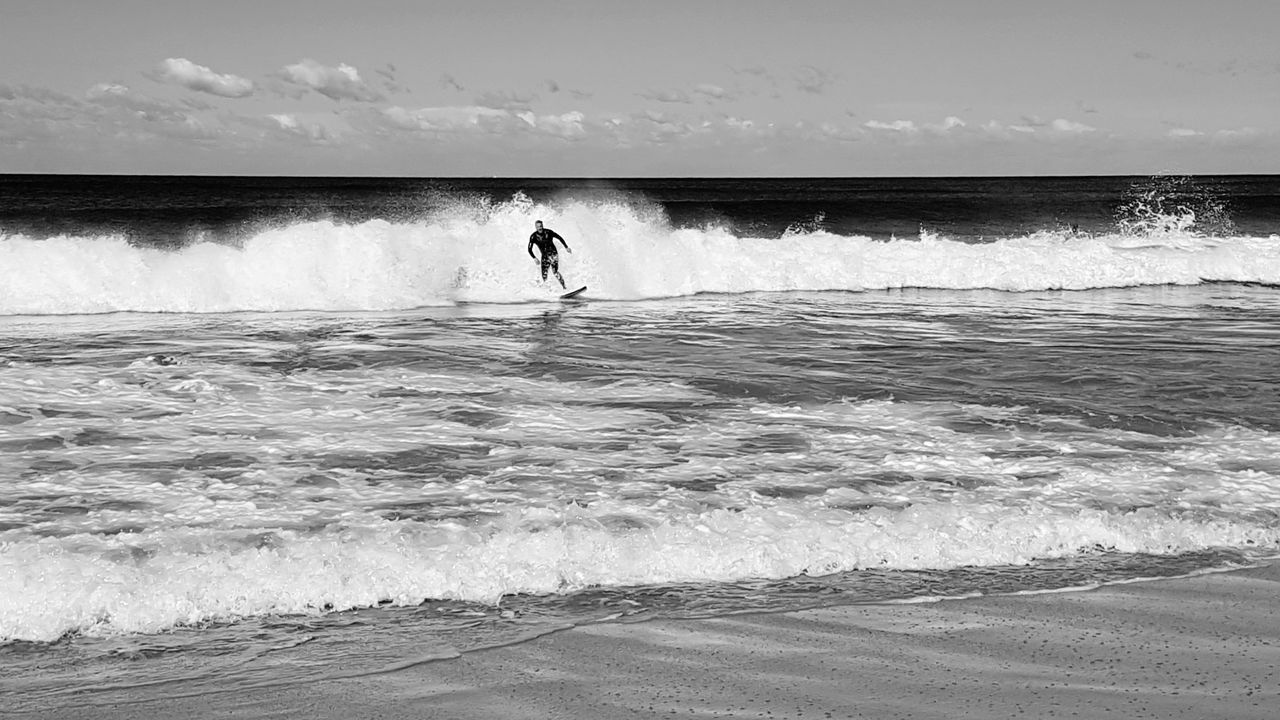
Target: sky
{"x":634,"y":88}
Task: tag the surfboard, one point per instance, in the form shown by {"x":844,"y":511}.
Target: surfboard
{"x":573,"y":293}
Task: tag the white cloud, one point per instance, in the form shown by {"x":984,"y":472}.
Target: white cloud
{"x":103,"y":91}
{"x":568,"y":125}
{"x":286,"y":122}
{"x":201,"y":79}
{"x":446,"y":118}
{"x":1031,"y":125}
{"x":1070,"y":126}
{"x":714,"y":92}
{"x":909,"y":127}
{"x":488,"y":120}
{"x":117,"y":97}
{"x":661,"y":128}
{"x":293,"y":125}
{"x":903,"y":126}
{"x":1239,"y":133}
{"x":841,"y":133}
{"x":667,"y":96}
{"x":993,"y":127}
{"x":336,"y":83}
{"x":1180,"y":132}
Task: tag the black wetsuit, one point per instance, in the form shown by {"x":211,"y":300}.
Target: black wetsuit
{"x":545,"y":240}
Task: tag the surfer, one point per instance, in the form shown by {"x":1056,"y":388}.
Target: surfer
{"x":545,"y":239}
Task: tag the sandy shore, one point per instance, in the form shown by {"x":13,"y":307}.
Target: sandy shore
{"x":1201,"y":647}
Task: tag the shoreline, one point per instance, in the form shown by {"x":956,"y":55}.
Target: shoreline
{"x":1199,"y":646}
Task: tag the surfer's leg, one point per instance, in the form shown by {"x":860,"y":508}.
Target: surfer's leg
{"x":546,"y":262}
{"x":555,"y":267}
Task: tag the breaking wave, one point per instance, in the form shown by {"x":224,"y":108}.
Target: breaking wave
{"x":622,"y":250}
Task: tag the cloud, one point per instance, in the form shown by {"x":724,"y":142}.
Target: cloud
{"x":103,"y":91}
{"x":121,"y":97}
{"x":667,"y":96}
{"x":568,"y":125}
{"x":38,"y":114}
{"x":293,"y":125}
{"x":444,"y":118}
{"x":756,"y":80}
{"x":451,"y":83}
{"x":506,"y":100}
{"x":34,"y":94}
{"x":1230,"y":67}
{"x":1070,"y":126}
{"x":389,"y":81}
{"x":813,"y":80}
{"x":902,"y":126}
{"x":1181,"y":132}
{"x":841,"y":133}
{"x":951,"y":122}
{"x":485,"y":120}
{"x":1033,"y":125}
{"x":1237,"y":134}
{"x":181,"y":71}
{"x":715,"y":92}
{"x":661,"y":130}
{"x":117,"y":111}
{"x":336,"y":83}
{"x":758,"y":71}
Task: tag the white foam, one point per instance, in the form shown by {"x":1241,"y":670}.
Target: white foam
{"x":478,"y":254}
{"x":540,"y":512}
{"x":149,"y":582}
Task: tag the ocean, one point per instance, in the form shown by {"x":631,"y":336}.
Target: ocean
{"x":262,"y":431}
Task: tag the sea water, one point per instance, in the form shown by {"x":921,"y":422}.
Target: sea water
{"x":258,"y":431}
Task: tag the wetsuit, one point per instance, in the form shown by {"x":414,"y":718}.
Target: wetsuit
{"x":545,"y":240}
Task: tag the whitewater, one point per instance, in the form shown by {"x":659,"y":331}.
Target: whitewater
{"x":622,"y":251}
{"x":251,"y":443}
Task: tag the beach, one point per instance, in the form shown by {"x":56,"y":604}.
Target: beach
{"x":608,"y":359}
{"x":1206,"y":646}
{"x":260,"y":463}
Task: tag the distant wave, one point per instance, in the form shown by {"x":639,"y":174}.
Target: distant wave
{"x":476,"y":253}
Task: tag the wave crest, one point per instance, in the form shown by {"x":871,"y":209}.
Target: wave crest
{"x":474,"y":250}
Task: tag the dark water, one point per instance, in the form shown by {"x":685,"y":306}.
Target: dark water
{"x":171,"y":211}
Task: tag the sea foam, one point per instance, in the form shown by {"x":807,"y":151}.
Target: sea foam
{"x":152,"y":581}
{"x":622,"y":251}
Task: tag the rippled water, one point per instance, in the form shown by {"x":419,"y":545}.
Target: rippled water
{"x":254,"y":495}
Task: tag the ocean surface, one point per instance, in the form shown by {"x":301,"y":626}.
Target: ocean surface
{"x":257,"y":431}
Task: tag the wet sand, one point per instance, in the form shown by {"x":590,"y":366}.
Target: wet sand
{"x":1199,"y":647}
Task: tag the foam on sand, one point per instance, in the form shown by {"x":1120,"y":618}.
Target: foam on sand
{"x":1192,"y":647}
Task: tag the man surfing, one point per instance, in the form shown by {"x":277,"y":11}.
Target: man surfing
{"x":545,"y":239}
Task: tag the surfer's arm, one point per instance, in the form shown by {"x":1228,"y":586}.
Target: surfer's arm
{"x":535,"y":257}
{"x":556,"y":235}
